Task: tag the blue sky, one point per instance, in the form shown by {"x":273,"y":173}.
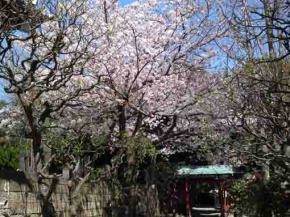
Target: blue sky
{"x":3,"y":95}
{"x":125,"y":2}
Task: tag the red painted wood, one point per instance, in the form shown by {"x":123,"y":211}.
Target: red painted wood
{"x":187,"y":200}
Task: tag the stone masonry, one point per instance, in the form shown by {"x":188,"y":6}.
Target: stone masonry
{"x":18,"y":198}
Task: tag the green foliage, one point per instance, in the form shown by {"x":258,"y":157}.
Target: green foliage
{"x":259,"y":199}
{"x":240,"y":196}
{"x":99,"y":173}
{"x":133,"y":159}
{"x":10,"y":151}
{"x":138,"y":148}
{"x":134,"y":151}
{"x":133,"y":174}
{"x":78,"y":145}
{"x":67,"y":149}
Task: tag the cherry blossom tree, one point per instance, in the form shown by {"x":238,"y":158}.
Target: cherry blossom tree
{"x":133,"y":73}
{"x":151,"y":64}
{"x":152,"y":80}
{"x":150,"y":70}
{"x":39,"y":66}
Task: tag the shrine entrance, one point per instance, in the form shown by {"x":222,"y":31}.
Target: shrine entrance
{"x":203,"y":190}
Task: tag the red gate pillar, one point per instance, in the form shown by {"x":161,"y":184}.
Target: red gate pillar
{"x":187,"y":199}
{"x":222,"y":198}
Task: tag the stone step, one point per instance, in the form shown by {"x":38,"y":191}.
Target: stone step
{"x":209,"y":214}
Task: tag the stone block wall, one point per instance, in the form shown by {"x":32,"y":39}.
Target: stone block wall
{"x":17,"y":198}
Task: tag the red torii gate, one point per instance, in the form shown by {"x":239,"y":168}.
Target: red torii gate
{"x":218,"y":175}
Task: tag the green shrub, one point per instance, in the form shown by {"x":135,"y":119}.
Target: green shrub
{"x":10,"y":151}
{"x":259,"y":199}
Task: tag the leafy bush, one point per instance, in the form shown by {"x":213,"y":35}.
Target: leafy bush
{"x":10,"y":151}
{"x":259,"y":199}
